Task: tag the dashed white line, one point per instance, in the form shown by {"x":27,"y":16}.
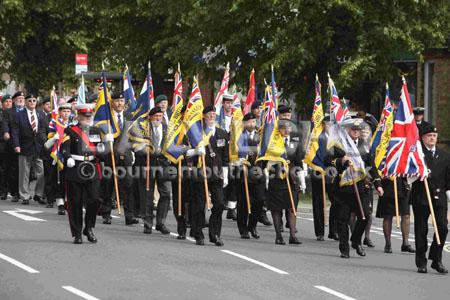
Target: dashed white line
{"x":18,"y":264}
{"x":264,"y":265}
{"x":79,"y":292}
{"x":333,"y":292}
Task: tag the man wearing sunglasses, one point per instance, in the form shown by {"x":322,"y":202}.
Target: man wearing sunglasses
{"x":28,"y":138}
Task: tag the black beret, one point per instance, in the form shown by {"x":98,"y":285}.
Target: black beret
{"x":428,"y":128}
{"x":249,"y":116}
{"x":326,"y":118}
{"x":17,"y":94}
{"x":418,"y":110}
{"x":155,"y":110}
{"x":208,"y":109}
{"x":30,"y":96}
{"x":46,"y":99}
{"x":282,"y":109}
{"x":256,"y":104}
{"x":117,"y":95}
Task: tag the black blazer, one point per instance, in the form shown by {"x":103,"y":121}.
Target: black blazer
{"x":438,"y":179}
{"x":22,"y":136}
{"x":217,"y":153}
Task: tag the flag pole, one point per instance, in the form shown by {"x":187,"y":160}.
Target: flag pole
{"x":397,"y":217}
{"x":111,"y":144}
{"x":179,"y":187}
{"x":147,"y":171}
{"x":358,"y":198}
{"x":324,"y":199}
{"x":205,"y":181}
{"x":294,"y":209}
{"x":247,"y":196}
{"x":433,"y":218}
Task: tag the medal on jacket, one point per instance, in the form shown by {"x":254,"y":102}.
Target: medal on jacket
{"x":212,"y":154}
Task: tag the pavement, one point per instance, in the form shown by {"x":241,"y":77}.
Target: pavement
{"x":39,"y":261}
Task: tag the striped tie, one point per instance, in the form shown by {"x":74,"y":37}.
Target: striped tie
{"x":33,"y":123}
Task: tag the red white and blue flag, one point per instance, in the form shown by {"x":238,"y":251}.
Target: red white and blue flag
{"x":338,"y":113}
{"x":404,"y":155}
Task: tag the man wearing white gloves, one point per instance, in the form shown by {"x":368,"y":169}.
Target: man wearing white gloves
{"x":80,"y":152}
{"x":438,"y":163}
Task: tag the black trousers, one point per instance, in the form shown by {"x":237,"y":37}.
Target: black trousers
{"x":82,"y":194}
{"x":3,"y":175}
{"x":125,"y":185}
{"x":181,"y":218}
{"x":196,"y":199}
{"x":215,"y":220}
{"x":317,"y":205}
{"x":421,"y":215}
{"x":245,"y":221}
{"x":48,"y":176}
{"x":12,"y":169}
{"x":347,"y":203}
{"x":55,"y":190}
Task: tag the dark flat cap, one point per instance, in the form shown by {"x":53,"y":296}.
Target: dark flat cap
{"x":256,"y":104}
{"x":117,"y":95}
{"x":249,"y":116}
{"x":160,"y":98}
{"x":208,"y":109}
{"x":418,"y":110}
{"x":155,"y":110}
{"x":282,"y":109}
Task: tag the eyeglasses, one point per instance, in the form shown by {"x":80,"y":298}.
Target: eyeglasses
{"x":31,"y":100}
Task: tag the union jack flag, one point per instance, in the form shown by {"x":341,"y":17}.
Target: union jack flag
{"x":338,"y":113}
{"x":178,"y":90}
{"x":404,"y":155}
{"x":236,"y":103}
{"x":54,"y":103}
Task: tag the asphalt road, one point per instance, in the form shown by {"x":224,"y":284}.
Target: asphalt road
{"x":39,"y":261}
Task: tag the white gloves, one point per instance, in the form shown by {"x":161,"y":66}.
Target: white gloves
{"x":71,"y":162}
{"x":100,"y":147}
{"x":198,"y":151}
{"x":301,"y":180}
{"x":51,"y":141}
{"x":448,"y":195}
{"x":108,"y":138}
{"x":225,"y":176}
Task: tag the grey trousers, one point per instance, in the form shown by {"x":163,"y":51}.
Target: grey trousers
{"x":29,"y":188}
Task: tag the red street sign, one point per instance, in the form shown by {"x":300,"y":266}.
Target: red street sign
{"x":81,"y":59}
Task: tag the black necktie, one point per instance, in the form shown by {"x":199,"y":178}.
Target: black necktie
{"x":119,"y":120}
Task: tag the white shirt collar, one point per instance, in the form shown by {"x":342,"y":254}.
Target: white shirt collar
{"x":431,"y":149}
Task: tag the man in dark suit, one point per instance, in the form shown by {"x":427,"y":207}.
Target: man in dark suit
{"x":28,"y":138}
{"x":6,"y":104}
{"x":419,"y":117}
{"x":438,"y":162}
{"x":152,"y":139}
{"x":12,"y":167}
{"x":124,"y":160}
{"x":256,"y":181}
{"x":162,"y":102}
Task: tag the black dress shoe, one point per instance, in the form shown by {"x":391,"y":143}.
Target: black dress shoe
{"x":359,"y":249}
{"x":147,"y":230}
{"x":254,"y":233}
{"x":162,"y":228}
{"x":15,"y":199}
{"x":216,"y":240}
{"x":439,"y":267}
{"x":408,"y":248}
{"x":199,"y":242}
{"x":320,"y":238}
{"x":181,"y":236}
{"x":3,"y":197}
{"x":245,"y":236}
{"x":294,"y":241}
{"x":39,"y":199}
{"x":107,"y":220}
{"x":368,"y":243}
{"x":422,"y":270}
{"x":61,"y":210}
{"x":333,"y":236}
{"x":78,"y":240}
{"x":345,"y":255}
{"x":280,"y":241}
{"x":231,"y":214}
{"x":387,"y":249}
{"x":264,"y":220}
{"x":25,"y":201}
{"x":131,"y":221}
{"x":90,"y":235}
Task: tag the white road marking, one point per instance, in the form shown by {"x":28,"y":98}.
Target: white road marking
{"x":18,"y":264}
{"x":264,"y":265}
{"x":19,"y":213}
{"x":79,"y":293}
{"x":333,"y":292}
{"x":115,"y":217}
